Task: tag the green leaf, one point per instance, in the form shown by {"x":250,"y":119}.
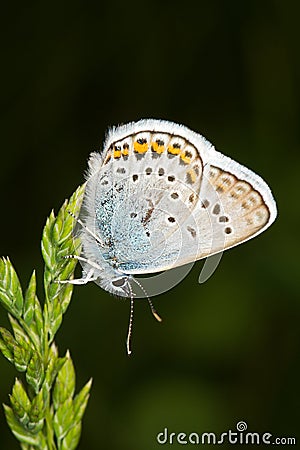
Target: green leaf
{"x":5,"y":299}
{"x":29,"y":304}
{"x":15,"y":353}
{"x":20,"y":402}
{"x":37,"y":411}
{"x":63,"y":227}
{"x":10,"y":289}
{"x":9,"y":344}
{"x":49,"y":428}
{"x":18,"y":430}
{"x":20,"y":335}
{"x":6,"y":352}
{"x":47,"y":250}
{"x":24,"y":349}
{"x":44,"y":444}
{"x":21,"y":357}
{"x":66,"y":297}
{"x":71,"y":440}
{"x":63,"y":419}
{"x":55,"y":364}
{"x":26,"y":447}
{"x":68,"y":269}
{"x":65,"y":383}
{"x":55,"y":317}
{"x":80,"y":401}
{"x":35,"y":372}
{"x":39,"y":321}
{"x":38,"y":407}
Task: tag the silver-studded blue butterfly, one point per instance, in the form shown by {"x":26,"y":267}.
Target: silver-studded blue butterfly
{"x":159,"y":196}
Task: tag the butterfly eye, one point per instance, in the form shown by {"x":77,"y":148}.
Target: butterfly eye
{"x":119,"y":283}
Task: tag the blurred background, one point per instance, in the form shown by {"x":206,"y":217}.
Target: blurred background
{"x":227,"y":350}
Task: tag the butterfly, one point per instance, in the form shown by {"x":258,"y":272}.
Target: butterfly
{"x":159,"y":196}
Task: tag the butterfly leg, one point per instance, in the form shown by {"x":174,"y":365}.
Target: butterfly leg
{"x":85,"y":260}
{"x":90,"y":276}
{"x":86,"y":228}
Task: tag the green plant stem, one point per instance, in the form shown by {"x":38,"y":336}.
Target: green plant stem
{"x":45,"y":413}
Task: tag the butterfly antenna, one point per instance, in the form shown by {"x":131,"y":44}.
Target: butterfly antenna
{"x":128,"y":341}
{"x":153,"y":310}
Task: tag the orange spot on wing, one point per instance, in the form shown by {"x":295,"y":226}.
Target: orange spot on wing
{"x":184,"y":158}
{"x":117,"y":153}
{"x":192,"y":175}
{"x":173,"y":150}
{"x":157,"y":147}
{"x":140,"y":148}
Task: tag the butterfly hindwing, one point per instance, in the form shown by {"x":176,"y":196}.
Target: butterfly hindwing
{"x":161,"y":196}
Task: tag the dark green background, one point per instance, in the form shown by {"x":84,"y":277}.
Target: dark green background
{"x":227,"y":350}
